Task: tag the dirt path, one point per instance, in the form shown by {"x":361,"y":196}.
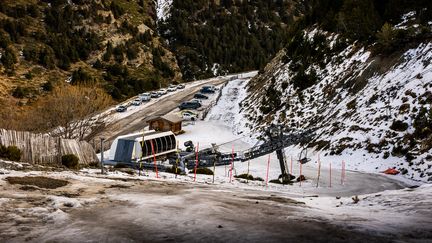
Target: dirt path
{"x":163,"y":105}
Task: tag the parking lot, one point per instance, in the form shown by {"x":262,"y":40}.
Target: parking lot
{"x":135,"y":117}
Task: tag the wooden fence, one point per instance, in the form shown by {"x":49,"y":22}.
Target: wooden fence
{"x":43,"y":149}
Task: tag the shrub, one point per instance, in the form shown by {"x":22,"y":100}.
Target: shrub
{"x":248,"y":177}
{"x":275,"y":181}
{"x":94,"y":164}
{"x":398,"y":125}
{"x":204,"y":171}
{"x":48,"y":86}
{"x":12,"y":153}
{"x":173,"y":170}
{"x":70,"y":161}
{"x":120,"y":166}
{"x":20,"y":92}
{"x":352,"y":104}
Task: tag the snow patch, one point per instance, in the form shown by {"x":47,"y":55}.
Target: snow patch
{"x":163,"y":9}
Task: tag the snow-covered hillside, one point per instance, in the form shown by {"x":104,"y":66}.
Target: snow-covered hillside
{"x":163,"y":9}
{"x":371,"y":110}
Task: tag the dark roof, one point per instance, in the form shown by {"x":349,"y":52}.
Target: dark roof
{"x":172,"y":118}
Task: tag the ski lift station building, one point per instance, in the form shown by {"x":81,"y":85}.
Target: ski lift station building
{"x":134,"y":147}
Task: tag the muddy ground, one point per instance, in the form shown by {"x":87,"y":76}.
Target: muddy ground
{"x":100,"y":208}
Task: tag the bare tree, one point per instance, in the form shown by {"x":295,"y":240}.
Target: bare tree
{"x":70,"y":112}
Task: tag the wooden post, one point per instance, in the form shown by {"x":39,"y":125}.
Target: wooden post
{"x":177,"y":159}
{"x":102,"y":155}
{"x":247,"y":177}
{"x":214,"y":169}
{"x":59,"y":151}
{"x":196,"y":161}
{"x":142,"y":152}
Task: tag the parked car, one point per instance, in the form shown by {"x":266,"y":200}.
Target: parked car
{"x":136,"y":102}
{"x":145,"y":97}
{"x":162,"y":91}
{"x":200,"y":96}
{"x":172,"y":89}
{"x":189,"y":116}
{"x":207,"y":89}
{"x":121,"y":108}
{"x":154,"y":94}
{"x":189,"y":105}
{"x":189,"y":112}
{"x":180,"y":86}
{"x":196,"y":101}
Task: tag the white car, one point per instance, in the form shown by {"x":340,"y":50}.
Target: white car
{"x":145,"y":97}
{"x":162,"y":91}
{"x":189,"y":116}
{"x":136,"y":102}
{"x":172,"y":89}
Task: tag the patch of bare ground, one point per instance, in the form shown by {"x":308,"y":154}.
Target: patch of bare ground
{"x":39,"y":181}
{"x":277,"y":199}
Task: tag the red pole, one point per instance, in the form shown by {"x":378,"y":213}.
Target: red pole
{"x":232,"y":162}
{"x":330,"y":174}
{"x":196,"y":161}
{"x":268,"y":167}
{"x":154,"y":158}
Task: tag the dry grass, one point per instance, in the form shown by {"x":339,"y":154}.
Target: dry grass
{"x":39,"y":181}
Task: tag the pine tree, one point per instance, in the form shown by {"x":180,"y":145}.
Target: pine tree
{"x":9,"y":58}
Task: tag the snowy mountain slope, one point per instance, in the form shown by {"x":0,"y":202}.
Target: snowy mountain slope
{"x":371,"y":110}
{"x":163,"y":9}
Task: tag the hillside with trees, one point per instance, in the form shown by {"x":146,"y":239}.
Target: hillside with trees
{"x":111,"y":45}
{"x":211,"y":38}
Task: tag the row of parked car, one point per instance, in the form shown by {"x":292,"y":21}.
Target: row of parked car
{"x":144,"y":97}
{"x":196,"y":103}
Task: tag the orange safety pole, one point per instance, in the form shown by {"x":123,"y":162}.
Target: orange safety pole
{"x":268,"y":167}
{"x":154,"y":158}
{"x":196,"y":161}
{"x":330,"y":174}
{"x":232,"y":163}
